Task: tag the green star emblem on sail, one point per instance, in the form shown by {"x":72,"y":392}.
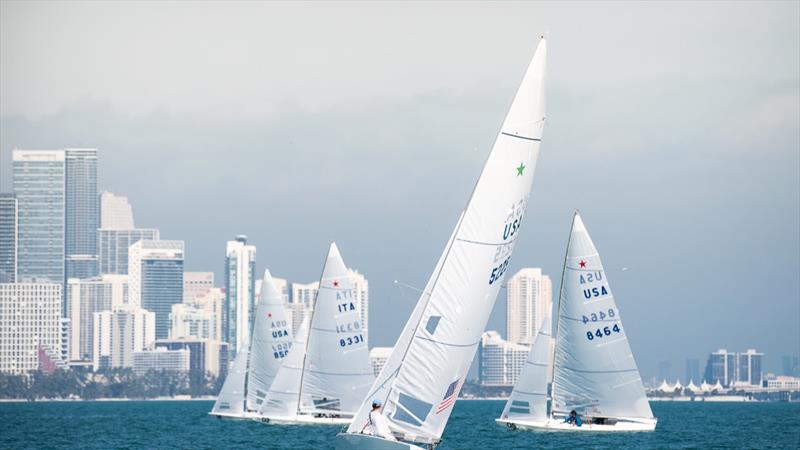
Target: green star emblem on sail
{"x":520,"y":169}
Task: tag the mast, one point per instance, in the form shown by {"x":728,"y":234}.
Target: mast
{"x":558,"y":316}
{"x":308,"y":336}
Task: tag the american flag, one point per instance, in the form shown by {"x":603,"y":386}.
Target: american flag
{"x":449,"y":396}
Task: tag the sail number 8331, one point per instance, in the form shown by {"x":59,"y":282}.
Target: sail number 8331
{"x":498,"y":271}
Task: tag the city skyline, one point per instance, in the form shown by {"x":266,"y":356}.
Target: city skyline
{"x":676,"y":197}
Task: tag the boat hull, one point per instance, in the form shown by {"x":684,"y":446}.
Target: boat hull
{"x":242,"y":416}
{"x":560,"y":425}
{"x":302,"y":419}
{"x":348,"y":441}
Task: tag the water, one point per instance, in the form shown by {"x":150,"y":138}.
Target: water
{"x":135,"y":425}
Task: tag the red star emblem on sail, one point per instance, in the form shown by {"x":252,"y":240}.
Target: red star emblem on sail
{"x":335,"y":284}
{"x":269,"y":314}
{"x":583,"y":264}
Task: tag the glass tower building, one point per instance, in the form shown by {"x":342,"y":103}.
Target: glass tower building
{"x":240,"y":287}
{"x":82,"y":213}
{"x":38,"y":180}
{"x":8,"y":238}
{"x":155,"y":269}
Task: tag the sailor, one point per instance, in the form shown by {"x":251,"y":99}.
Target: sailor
{"x":573,"y":418}
{"x":377,"y":424}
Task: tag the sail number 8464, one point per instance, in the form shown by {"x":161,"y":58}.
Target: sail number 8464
{"x":606,"y":331}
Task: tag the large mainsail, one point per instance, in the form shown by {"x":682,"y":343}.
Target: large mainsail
{"x":594,"y":371}
{"x":336,"y":372}
{"x":425,"y":372}
{"x":529,"y":398}
{"x":284,"y":393}
{"x":231,"y":398}
{"x":270,"y":342}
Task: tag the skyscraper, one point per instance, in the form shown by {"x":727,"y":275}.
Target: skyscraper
{"x":721,"y":366}
{"x":30,"y":316}
{"x":195,"y":284}
{"x":8,"y":238}
{"x":38,"y":179}
{"x":693,"y":370}
{"x":86,"y":297}
{"x":118,"y":334}
{"x":749,"y":366}
{"x":113,"y":247}
{"x":500,"y":361}
{"x":240,"y":287}
{"x":529,"y":297}
{"x":156,"y":279}
{"x":303,"y":296}
{"x":361,"y":293}
{"x":115,"y":212}
{"x":82,"y":212}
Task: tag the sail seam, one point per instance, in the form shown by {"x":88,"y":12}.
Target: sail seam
{"x":600,"y":371}
{"x":447,"y":343}
{"x":529,"y":393}
{"x":521,"y":137}
{"x":495,"y":244}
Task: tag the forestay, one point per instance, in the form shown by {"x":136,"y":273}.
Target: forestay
{"x":594,"y":370}
{"x":336,"y":372}
{"x":270,"y":342}
{"x":529,"y":398}
{"x":231,"y":398}
{"x":284,"y":392}
{"x":425,"y":372}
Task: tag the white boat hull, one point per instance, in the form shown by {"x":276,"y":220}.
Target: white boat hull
{"x":560,"y":425}
{"x":302,"y":419}
{"x":240,"y":416}
{"x":348,"y":441}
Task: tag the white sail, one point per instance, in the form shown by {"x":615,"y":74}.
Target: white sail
{"x":424,"y":374}
{"x":231,"y":398}
{"x":336,"y":372}
{"x":528,"y":400}
{"x":270,"y":342}
{"x":594,"y":370}
{"x":282,"y":399}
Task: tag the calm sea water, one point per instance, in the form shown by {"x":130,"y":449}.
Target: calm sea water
{"x":185,"y":425}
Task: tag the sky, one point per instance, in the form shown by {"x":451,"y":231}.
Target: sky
{"x":674,"y":127}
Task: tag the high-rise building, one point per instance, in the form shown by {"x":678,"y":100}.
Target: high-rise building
{"x":118,"y":334}
{"x":664,"y":370}
{"x":205,"y":355}
{"x":378,"y":357}
{"x":721,"y":366}
{"x":302,"y":302}
{"x":529,"y":297}
{"x":500,"y":361}
{"x":30,"y":315}
{"x":8,"y":238}
{"x":212,"y":304}
{"x":113,"y":247}
{"x":749,"y":368}
{"x":82,"y":212}
{"x":240,"y":287}
{"x":161,"y":359}
{"x":791,"y":365}
{"x":86,"y":297}
{"x":115,"y":212}
{"x":38,"y":179}
{"x":361,"y":294}
{"x":187,"y":321}
{"x":156,"y":279}
{"x":693,"y":370}
{"x":196,"y":283}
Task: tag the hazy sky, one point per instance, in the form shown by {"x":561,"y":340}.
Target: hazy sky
{"x":674,"y":127}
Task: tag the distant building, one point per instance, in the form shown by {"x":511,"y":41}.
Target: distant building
{"x":361,"y":294}
{"x":212,"y":303}
{"x":38,"y":180}
{"x":240,"y":286}
{"x":500,"y":361}
{"x":735,"y":369}
{"x":8,"y":238}
{"x":664,"y":370}
{"x":784,"y":383}
{"x":113,"y":245}
{"x":187,"y":321}
{"x":529,"y":297}
{"x":196,"y":283}
{"x":791,"y":365}
{"x":86,"y":297}
{"x":156,"y":279}
{"x":115,"y":212}
{"x":693,"y":370}
{"x":206,"y":356}
{"x":161,"y":359}
{"x":378,"y":357}
{"x":82,"y":212}
{"x":30,"y":318}
{"x":118,"y":334}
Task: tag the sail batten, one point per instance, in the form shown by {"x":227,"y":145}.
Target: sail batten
{"x":429,"y":364}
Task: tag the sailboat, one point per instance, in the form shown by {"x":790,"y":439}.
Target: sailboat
{"x":256,"y":366}
{"x":594,"y":372}
{"x":325,"y":386}
{"x":423,"y":376}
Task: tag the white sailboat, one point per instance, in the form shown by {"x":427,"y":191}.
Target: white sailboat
{"x":421,"y":380}
{"x":594,"y":372}
{"x":256,"y":366}
{"x":335,"y":372}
